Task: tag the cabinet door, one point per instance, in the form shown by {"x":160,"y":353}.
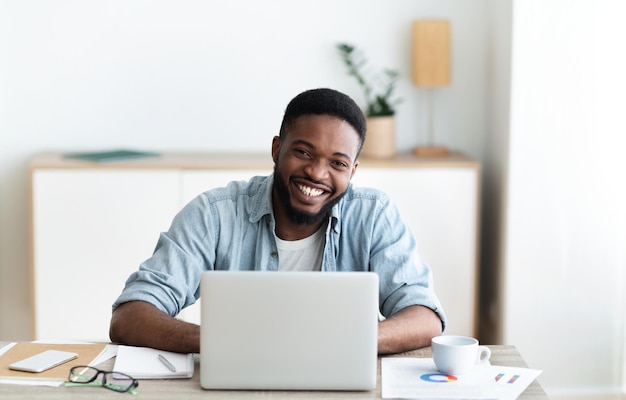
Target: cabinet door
{"x":91,"y":229}
{"x":440,"y":206}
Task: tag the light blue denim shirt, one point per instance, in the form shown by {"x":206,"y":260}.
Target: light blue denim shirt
{"x":232,"y":228}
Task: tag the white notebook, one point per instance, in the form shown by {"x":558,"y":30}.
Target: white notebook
{"x":144,"y":363}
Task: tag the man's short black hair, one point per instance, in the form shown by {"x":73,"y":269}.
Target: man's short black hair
{"x":325,"y":102}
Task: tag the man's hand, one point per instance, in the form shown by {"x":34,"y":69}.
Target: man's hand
{"x":138,"y":323}
{"x":409,"y":329}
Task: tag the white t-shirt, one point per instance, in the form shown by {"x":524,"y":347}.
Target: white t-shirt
{"x":301,"y":255}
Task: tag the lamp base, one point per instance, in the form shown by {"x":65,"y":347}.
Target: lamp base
{"x":431,"y":151}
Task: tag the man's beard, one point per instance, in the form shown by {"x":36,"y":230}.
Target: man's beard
{"x":298,"y":216}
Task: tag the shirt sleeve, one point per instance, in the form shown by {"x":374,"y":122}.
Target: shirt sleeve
{"x":405,"y":278}
{"x":170,"y":278}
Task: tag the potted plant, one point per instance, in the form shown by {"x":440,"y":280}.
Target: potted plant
{"x":380,"y":111}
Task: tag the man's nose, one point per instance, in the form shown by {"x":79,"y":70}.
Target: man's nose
{"x":317,"y":170}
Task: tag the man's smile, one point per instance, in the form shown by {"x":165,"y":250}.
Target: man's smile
{"x":309,"y":191}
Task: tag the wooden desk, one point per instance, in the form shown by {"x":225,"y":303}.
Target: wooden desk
{"x":190,"y":388}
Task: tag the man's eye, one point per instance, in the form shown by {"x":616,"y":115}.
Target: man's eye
{"x":301,"y":152}
{"x":341,"y":164}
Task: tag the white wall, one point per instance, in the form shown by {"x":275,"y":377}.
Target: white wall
{"x":565,"y":221}
{"x":197,"y":75}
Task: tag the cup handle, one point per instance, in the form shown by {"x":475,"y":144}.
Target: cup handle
{"x":484,"y":353}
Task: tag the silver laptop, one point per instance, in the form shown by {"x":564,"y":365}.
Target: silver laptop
{"x":288,"y":330}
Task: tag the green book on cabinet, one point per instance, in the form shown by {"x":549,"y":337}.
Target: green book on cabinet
{"x":110,"y":155}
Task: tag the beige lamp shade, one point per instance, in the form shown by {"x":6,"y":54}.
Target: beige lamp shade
{"x":431,"y":53}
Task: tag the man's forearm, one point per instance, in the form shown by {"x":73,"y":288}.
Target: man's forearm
{"x":139,"y":323}
{"x":409,"y":329}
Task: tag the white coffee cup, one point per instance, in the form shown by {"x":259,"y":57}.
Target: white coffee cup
{"x":457,"y":355}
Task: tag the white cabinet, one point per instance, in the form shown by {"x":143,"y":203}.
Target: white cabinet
{"x":93,"y":224}
{"x":91,"y":229}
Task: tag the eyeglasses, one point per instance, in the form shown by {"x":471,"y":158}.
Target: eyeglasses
{"x":83,"y":375}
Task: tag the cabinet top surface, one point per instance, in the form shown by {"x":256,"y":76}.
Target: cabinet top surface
{"x":206,"y":160}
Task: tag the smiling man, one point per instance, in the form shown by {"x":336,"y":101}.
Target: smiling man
{"x":313,"y":165}
{"x":306,"y":217}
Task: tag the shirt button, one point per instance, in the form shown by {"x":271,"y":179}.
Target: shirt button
{"x":274,"y":254}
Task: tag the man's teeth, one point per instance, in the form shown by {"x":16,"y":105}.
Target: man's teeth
{"x":309,"y":191}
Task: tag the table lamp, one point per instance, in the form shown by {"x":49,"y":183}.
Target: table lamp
{"x":431,"y":69}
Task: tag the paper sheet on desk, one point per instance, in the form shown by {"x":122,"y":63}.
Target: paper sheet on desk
{"x":418,"y":378}
{"x":143,"y":363}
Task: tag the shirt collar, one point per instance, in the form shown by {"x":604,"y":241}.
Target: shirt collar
{"x":262,"y":200}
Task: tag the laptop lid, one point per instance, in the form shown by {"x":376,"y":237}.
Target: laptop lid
{"x":289,"y":330}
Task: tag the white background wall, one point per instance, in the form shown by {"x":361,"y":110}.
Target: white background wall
{"x":565,"y":220}
{"x":216,"y":75}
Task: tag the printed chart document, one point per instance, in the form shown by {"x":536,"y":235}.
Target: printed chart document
{"x":418,"y":378}
{"x":145,"y":363}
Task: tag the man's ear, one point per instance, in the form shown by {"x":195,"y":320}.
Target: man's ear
{"x":275,"y":148}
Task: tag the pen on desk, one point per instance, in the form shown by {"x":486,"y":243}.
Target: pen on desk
{"x":167,"y":363}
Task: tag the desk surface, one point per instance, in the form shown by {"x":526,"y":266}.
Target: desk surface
{"x":190,"y":388}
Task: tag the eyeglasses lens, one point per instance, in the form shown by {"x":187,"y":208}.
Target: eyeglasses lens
{"x":119,"y":382}
{"x":83,"y":374}
{"x":111,"y":380}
